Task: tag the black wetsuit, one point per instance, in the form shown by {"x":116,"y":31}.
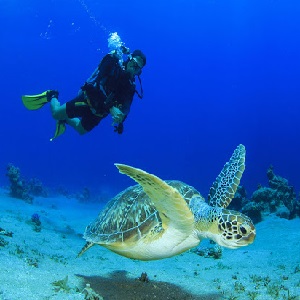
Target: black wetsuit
{"x":108,"y":80}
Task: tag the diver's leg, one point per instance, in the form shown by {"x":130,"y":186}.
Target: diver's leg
{"x":59,"y":112}
{"x":76,"y":124}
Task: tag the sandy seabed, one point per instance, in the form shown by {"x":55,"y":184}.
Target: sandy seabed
{"x":44,"y":265}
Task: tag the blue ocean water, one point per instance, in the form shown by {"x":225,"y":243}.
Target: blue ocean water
{"x":218,"y":73}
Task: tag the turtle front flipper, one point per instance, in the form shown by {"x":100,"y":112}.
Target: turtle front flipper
{"x":172,"y":208}
{"x":224,"y":188}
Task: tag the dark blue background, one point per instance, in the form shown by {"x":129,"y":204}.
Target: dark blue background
{"x":218,"y":73}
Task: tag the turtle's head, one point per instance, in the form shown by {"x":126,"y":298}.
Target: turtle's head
{"x":234,"y":229}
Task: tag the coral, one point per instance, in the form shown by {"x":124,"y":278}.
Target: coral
{"x":37,"y":224}
{"x":36,"y":188}
{"x":18,"y":187}
{"x":296,"y":210}
{"x":253,"y":210}
{"x":239,"y":200}
{"x":35,"y":218}
{"x":24,"y":189}
{"x":266,"y":198}
{"x":213,"y":252}
{"x":283,"y":190}
{"x":283,"y":212}
{"x":144,"y":277}
{"x":84,"y":196}
{"x":278,"y":198}
{"x":64,"y":192}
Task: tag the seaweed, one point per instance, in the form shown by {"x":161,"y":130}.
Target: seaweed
{"x":90,"y":294}
{"x":260,"y":280}
{"x":5,"y":232}
{"x":239,"y":287}
{"x":33,"y":262}
{"x":252,"y":295}
{"x":3,"y":242}
{"x":62,"y":285}
{"x":297,"y":269}
{"x":290,"y":297}
{"x":274,"y":290}
{"x":232,"y":297}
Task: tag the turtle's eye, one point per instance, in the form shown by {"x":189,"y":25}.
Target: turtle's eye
{"x":243,"y":229}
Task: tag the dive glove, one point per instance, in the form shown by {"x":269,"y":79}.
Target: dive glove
{"x":119,"y":128}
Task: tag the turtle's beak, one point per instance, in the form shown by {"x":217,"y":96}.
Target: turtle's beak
{"x":247,"y":240}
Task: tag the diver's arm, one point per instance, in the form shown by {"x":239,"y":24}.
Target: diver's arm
{"x":127,"y":101}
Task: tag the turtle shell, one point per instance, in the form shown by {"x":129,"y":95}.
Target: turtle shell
{"x":130,"y":215}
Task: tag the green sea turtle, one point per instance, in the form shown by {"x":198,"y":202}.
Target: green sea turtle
{"x":158,"y":219}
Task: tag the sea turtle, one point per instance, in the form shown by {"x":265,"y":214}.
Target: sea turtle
{"x":158,"y":219}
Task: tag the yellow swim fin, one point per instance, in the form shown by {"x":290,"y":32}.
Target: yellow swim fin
{"x":60,"y":129}
{"x":34,"y":102}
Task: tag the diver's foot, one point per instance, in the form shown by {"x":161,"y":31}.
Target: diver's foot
{"x":52,"y":94}
{"x":60,"y":129}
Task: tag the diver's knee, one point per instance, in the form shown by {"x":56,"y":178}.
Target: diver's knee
{"x":58,"y":111}
{"x":55,"y":114}
{"x":76,"y":124}
{"x":80,"y":129}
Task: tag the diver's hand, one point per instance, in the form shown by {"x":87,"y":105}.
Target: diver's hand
{"x":125,"y":50}
{"x":117,"y":115}
{"x":119,"y":128}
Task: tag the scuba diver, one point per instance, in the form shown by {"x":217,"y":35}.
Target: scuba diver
{"x":109,"y":90}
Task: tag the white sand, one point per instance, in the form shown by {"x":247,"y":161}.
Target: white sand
{"x":31,"y":260}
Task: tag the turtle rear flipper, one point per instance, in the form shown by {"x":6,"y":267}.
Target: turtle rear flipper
{"x":87,"y":246}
